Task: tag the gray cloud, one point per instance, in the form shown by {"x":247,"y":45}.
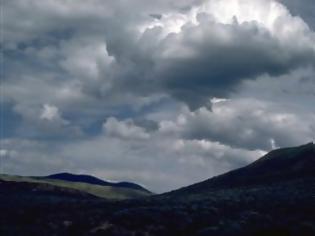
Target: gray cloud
{"x":184,"y":54}
{"x":188,"y":55}
{"x":250,"y":124}
{"x":219,"y":62}
{"x":270,"y":111}
{"x":124,"y":129}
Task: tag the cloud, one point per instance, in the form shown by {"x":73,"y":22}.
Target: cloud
{"x":248,"y":124}
{"x":263,"y":114}
{"x":26,"y":156}
{"x":5,"y":153}
{"x":187,"y":55}
{"x":304,"y":8}
{"x":85,"y":59}
{"x":50,"y":113}
{"x":190,"y":53}
{"x":124,"y":129}
{"x":210,"y":51}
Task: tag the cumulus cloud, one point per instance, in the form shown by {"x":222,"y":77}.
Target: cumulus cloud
{"x":212,"y":49}
{"x":264,"y":114}
{"x":193,"y":54}
{"x":124,"y":129}
{"x":246,"y":124}
{"x":50,"y":113}
{"x":85,"y":59}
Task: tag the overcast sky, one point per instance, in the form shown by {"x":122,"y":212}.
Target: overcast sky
{"x":163,"y":93}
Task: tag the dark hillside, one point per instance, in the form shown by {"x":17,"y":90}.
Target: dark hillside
{"x":278,"y":165}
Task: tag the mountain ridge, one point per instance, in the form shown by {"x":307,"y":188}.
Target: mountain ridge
{"x":83,"y":178}
{"x":113,"y":192}
{"x":277,"y":165}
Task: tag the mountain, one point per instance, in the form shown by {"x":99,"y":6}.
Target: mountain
{"x":273,"y":196}
{"x":83,"y":183}
{"x":278,"y":165}
{"x":93,"y":180}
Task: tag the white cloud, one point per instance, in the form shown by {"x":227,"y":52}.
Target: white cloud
{"x":124,"y":129}
{"x":3,"y":152}
{"x":267,"y":13}
{"x":50,"y":113}
{"x":86,"y":58}
{"x":244,"y":123}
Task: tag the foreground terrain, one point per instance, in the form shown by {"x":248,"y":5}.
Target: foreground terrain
{"x":272,"y":196}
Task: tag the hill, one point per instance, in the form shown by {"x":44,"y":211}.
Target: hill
{"x":278,"y":165}
{"x":93,"y":180}
{"x":96,"y":187}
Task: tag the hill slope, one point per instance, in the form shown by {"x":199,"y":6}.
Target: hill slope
{"x":104,"y":191}
{"x":276,"y":166}
{"x":93,"y":180}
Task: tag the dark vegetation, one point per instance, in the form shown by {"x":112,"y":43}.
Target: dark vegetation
{"x":273,"y":196}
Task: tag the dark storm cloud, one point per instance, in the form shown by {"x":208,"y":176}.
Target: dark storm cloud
{"x":208,"y":57}
{"x":218,"y":64}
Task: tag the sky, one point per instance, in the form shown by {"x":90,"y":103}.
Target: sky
{"x":162,"y":93}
